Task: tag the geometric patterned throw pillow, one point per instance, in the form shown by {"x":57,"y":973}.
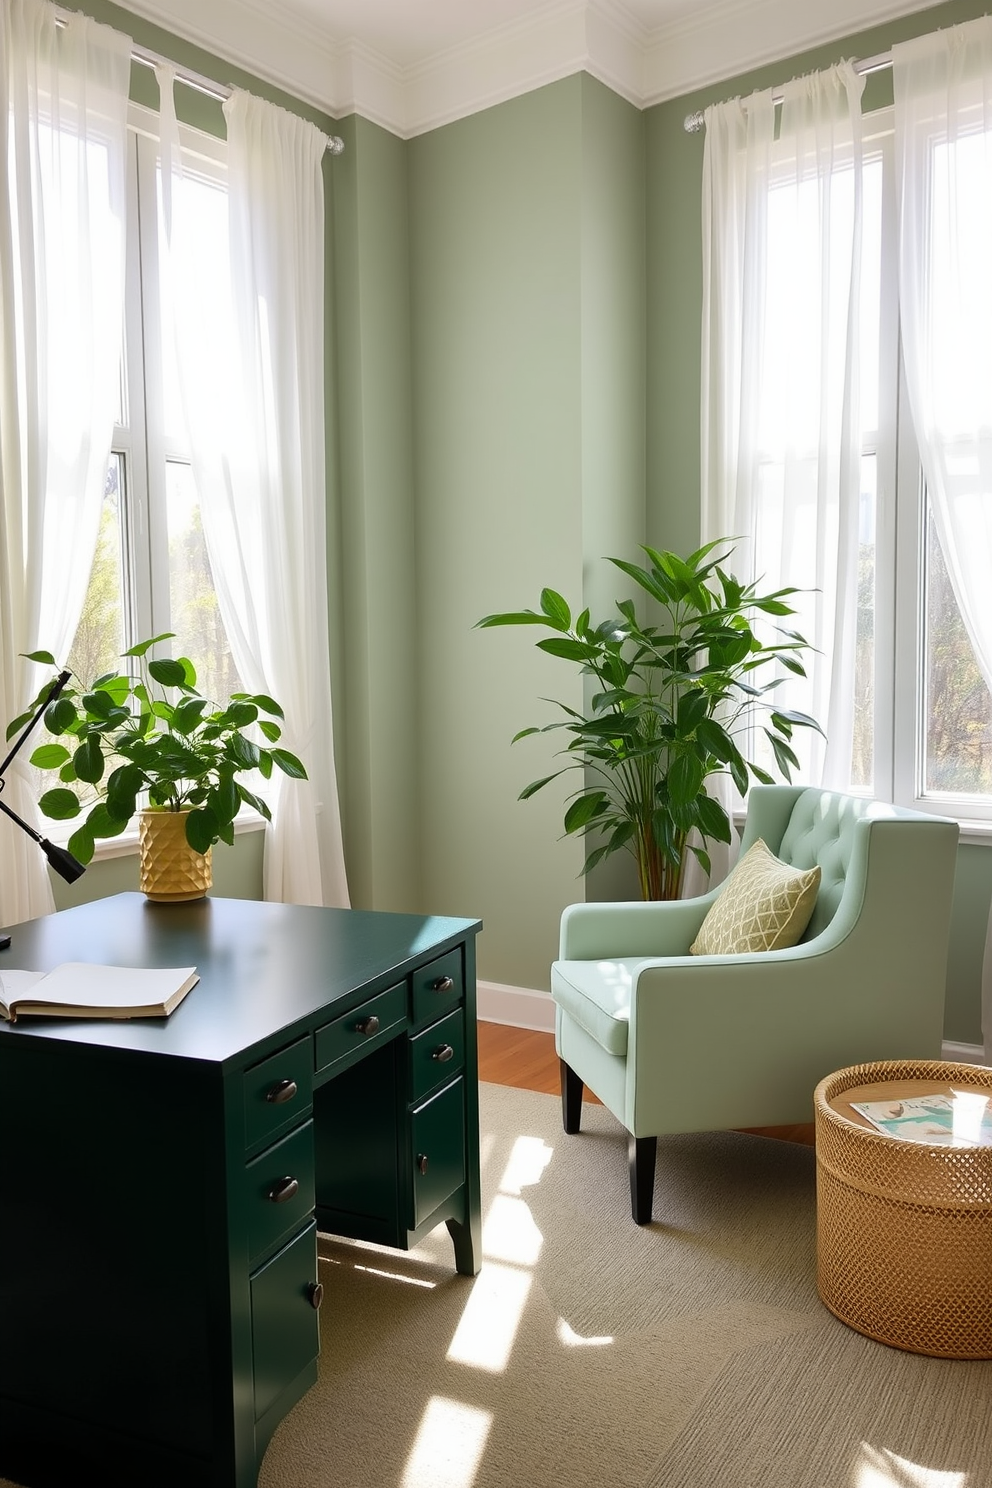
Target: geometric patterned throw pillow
{"x":765,"y":905}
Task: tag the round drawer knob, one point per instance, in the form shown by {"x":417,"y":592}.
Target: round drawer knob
{"x":286,"y":1188}
{"x":443,"y":984}
{"x":315,"y":1294}
{"x":421,"y":1162}
{"x":281,"y":1092}
{"x":368,"y":1025}
{"x":443,"y":1053}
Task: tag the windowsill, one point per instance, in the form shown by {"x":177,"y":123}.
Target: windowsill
{"x":127,"y":843}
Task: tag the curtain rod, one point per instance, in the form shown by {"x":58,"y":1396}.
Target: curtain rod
{"x":196,"y":80}
{"x":693,"y":123}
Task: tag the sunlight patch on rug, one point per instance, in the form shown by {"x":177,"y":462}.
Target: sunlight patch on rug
{"x":449,"y":1445}
{"x":484,"y":1336}
{"x":879,"y":1468}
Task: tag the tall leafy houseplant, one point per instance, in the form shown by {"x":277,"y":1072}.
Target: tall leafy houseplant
{"x":125,"y":737}
{"x":670,"y":698}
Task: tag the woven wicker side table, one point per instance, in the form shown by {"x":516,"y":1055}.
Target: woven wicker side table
{"x":904,"y":1230}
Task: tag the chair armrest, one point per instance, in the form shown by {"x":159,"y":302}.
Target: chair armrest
{"x":592,"y":932}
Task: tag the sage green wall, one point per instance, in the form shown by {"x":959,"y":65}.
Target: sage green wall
{"x":527,"y":274}
{"x":377,"y":699}
{"x":674,"y":175}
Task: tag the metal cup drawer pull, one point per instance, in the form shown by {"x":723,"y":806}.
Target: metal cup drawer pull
{"x":285,"y":1188}
{"x":421,"y":1162}
{"x":368,"y":1025}
{"x":443,"y":984}
{"x":281,"y":1092}
{"x":443,"y":1053}
{"x":315,"y":1294}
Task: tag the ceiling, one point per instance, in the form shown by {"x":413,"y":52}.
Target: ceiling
{"x":412,"y":65}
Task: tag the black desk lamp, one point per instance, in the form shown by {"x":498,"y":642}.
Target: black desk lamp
{"x":65,"y":865}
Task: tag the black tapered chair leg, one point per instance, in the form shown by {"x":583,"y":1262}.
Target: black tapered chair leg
{"x":571,"y":1098}
{"x":641,"y":1154}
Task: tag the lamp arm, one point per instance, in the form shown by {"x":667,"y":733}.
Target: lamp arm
{"x":49,"y":697}
{"x":60,"y":859}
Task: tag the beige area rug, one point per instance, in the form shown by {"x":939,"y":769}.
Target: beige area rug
{"x":590,"y":1353}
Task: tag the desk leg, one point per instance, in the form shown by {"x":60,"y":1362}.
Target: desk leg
{"x":467,"y":1240}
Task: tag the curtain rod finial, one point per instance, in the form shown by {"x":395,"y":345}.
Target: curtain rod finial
{"x":335,"y":145}
{"x":693,"y":123}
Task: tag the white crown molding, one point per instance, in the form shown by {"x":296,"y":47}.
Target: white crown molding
{"x":701,"y":48}
{"x":698,"y":47}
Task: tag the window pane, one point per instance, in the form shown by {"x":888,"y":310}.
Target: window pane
{"x":193,"y":608}
{"x":99,"y":638}
{"x":958,"y":706}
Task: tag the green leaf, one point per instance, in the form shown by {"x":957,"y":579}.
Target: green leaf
{"x":225,"y":800}
{"x":271,"y":730}
{"x":256,"y":802}
{"x":265,"y":764}
{"x":49,"y":756}
{"x":59,"y":805}
{"x":143,"y":647}
{"x":168,"y":672}
{"x":584,"y":809}
{"x":685,"y":779}
{"x":88,"y":760}
{"x":568,"y":649}
{"x":60,"y":716}
{"x":556,"y":609}
{"x":189,"y":671}
{"x":81,"y":844}
{"x":188,"y":714}
{"x":288,"y":763}
{"x":536,"y":785}
{"x":16,"y":724}
{"x":201,"y":829}
{"x":713,"y":820}
{"x":702,"y":857}
{"x":45,"y":657}
{"x":525,"y":734}
{"x":238,"y":715}
{"x":244,"y":752}
{"x":693,"y":708}
{"x":516,"y":617}
{"x":102,"y":822}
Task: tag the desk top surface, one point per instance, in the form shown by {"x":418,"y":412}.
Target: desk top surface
{"x":263,"y":967}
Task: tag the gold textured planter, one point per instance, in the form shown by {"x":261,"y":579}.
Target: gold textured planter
{"x":169,"y":870}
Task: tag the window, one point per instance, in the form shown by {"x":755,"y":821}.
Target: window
{"x":922,"y":713}
{"x":151,"y":573}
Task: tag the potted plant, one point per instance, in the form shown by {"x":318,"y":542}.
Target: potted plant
{"x":147,"y":743}
{"x":669,"y":698}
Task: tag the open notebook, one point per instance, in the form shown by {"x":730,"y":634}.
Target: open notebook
{"x":80,"y":989}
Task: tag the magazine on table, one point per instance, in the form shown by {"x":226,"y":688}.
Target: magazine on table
{"x":962,"y":1118}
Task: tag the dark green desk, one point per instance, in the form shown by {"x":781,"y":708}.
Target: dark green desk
{"x":162,"y":1182}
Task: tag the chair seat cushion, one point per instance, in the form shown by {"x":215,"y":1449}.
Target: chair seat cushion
{"x":765,"y":905}
{"x":597,"y":995}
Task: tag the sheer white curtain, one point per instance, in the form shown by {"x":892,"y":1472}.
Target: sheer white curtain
{"x":780,"y":456}
{"x":63,"y":103}
{"x":250,"y":344}
{"x":942,"y":87}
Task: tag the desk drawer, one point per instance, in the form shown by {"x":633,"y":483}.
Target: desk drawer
{"x":437,"y":1132}
{"x":278,"y":1092}
{"x":280,"y":1192}
{"x":437,"y":1054}
{"x":365,"y":1026}
{"x":438,"y":987}
{"x":284,"y":1332}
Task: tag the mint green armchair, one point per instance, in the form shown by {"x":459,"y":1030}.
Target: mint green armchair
{"x":671,"y":1042}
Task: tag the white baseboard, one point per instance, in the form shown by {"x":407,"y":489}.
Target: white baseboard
{"x":517,"y":1007}
{"x":521,"y":1007}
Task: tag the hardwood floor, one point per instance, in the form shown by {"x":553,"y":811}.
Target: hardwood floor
{"x":527,"y":1060}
